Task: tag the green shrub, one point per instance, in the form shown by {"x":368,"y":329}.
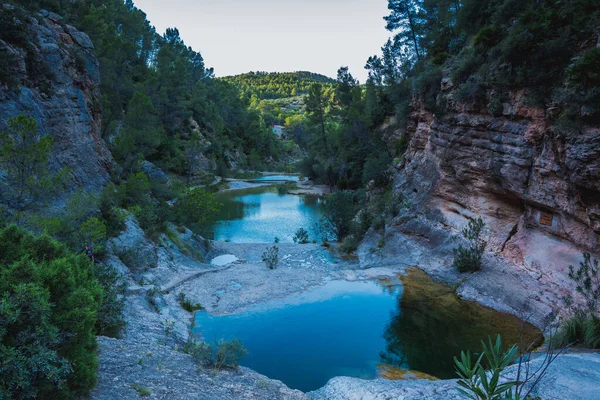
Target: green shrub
{"x":109,"y":319}
{"x":301,"y":236}
{"x":219,"y":355}
{"x":472,"y":91}
{"x":349,"y":244}
{"x":137,"y":189}
{"x":196,"y":206}
{"x":338,"y":215}
{"x":377,"y":169}
{"x":587,"y":278}
{"x":141,"y":390}
{"x":187,"y":304}
{"x":271,"y":257}
{"x":585,"y":72}
{"x":583,"y":327}
{"x":469,"y":258}
{"x":487,"y":37}
{"x":284,"y":188}
{"x":41,"y":276}
{"x":591,"y":334}
{"x":571,"y":331}
{"x":440,"y":58}
{"x":31,"y":366}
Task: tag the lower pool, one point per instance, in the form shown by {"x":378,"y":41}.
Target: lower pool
{"x":351,"y":328}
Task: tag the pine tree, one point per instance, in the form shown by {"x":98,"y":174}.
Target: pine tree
{"x":24,"y":159}
{"x":406,"y":19}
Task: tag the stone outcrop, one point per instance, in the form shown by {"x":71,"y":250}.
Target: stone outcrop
{"x":537,"y":190}
{"x":571,"y":376}
{"x":54,"y":79}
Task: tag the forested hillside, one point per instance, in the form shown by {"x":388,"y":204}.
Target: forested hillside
{"x":485,"y":50}
{"x":277,"y":85}
{"x":158,"y":98}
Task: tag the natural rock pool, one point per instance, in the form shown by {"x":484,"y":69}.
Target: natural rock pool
{"x":277,"y":178}
{"x":352,"y":328}
{"x":258,"y":215}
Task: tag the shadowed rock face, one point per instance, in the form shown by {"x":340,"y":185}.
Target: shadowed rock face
{"x":538,"y":193}
{"x":55,"y":80}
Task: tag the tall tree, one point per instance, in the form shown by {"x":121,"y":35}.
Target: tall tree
{"x":317,"y":103}
{"x":406,"y":19}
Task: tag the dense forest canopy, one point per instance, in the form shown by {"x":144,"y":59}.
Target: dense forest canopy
{"x":155,"y":89}
{"x":277,"y":85}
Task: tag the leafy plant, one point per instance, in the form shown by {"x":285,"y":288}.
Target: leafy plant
{"x":271,"y":256}
{"x":475,"y":381}
{"x":301,"y":236}
{"x":484,"y":380}
{"x":469,"y":258}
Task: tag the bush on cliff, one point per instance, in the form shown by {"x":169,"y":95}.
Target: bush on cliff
{"x":583,"y":326}
{"x":49,"y":302}
{"x":469,"y":258}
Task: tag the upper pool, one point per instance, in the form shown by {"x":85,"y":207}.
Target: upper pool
{"x":277,"y":178}
{"x":351,"y":328}
{"x":258,"y":215}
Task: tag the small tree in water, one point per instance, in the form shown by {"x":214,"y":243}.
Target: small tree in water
{"x":469,"y":258}
{"x":271,"y":257}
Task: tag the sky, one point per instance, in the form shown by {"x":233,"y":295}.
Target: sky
{"x":237,"y":36}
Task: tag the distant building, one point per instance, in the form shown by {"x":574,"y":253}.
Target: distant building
{"x":278,"y":130}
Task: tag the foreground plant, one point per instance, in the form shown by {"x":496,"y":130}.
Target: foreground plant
{"x":480,"y":383}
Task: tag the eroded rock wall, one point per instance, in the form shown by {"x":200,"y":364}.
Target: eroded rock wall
{"x":538,"y":191}
{"x":55,"y":79}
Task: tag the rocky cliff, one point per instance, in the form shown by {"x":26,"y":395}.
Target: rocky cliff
{"x":53,"y":77}
{"x":537,"y":190}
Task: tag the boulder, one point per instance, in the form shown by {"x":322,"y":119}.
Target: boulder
{"x":133,"y":248}
{"x":154,"y":173}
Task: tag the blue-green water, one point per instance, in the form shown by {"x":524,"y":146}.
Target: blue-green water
{"x":347,"y":328}
{"x":307,"y":339}
{"x":277,"y":178}
{"x":258,"y":215}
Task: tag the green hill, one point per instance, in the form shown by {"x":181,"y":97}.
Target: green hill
{"x":277,"y":85}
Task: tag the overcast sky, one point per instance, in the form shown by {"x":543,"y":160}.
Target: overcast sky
{"x":236,"y":36}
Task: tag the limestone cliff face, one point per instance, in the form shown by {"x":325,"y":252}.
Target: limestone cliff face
{"x":55,"y":79}
{"x":538,"y":192}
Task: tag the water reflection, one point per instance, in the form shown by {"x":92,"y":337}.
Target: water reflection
{"x":431,"y":325}
{"x":349,"y":328}
{"x":258,"y":215}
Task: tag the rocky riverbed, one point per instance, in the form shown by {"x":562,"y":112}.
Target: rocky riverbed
{"x":148,"y":358}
